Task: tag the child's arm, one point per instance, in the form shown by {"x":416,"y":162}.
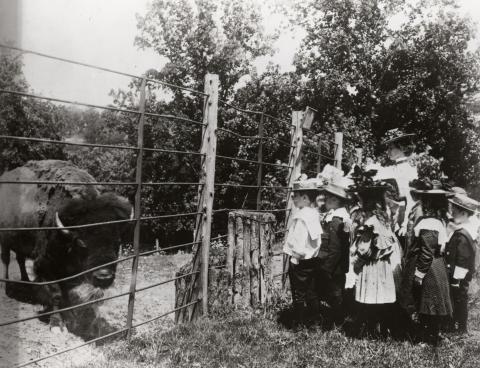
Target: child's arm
{"x":464,"y":255}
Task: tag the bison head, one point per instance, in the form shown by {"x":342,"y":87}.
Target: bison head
{"x":91,"y":247}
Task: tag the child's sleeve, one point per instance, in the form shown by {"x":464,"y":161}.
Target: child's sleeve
{"x":298,"y":239}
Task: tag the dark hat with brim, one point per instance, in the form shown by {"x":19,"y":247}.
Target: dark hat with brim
{"x":432,"y":192}
{"x":395,"y":135}
{"x":464,"y":202}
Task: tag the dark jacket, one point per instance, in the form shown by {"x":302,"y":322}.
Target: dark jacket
{"x":334,"y":251}
{"x":460,"y":252}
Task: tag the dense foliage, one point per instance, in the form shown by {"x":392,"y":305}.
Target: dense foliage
{"x":365,"y":66}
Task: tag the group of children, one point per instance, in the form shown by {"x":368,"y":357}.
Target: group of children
{"x":356,"y":245}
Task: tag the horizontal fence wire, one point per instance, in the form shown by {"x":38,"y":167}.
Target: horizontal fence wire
{"x":255,"y":137}
{"x":219,"y":237}
{"x":52,"y":141}
{"x":148,"y":218}
{"x":250,"y":186}
{"x":178,"y":246}
{"x":30,"y":362}
{"x":99,"y":300}
{"x":165,"y":281}
{"x":254,"y":162}
{"x":56,"y":228}
{"x":43,"y":283}
{"x":246,"y":209}
{"x":132,"y":148}
{"x":54,"y":99}
{"x":174,"y":117}
{"x":251,"y":111}
{"x":22,"y":50}
{"x":105,"y":183}
{"x":166,"y":313}
{"x":318,"y":154}
{"x":111,"y":108}
{"x":76,"y":306}
{"x":105,"y":336}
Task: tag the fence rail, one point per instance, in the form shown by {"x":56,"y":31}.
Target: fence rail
{"x":197,"y":291}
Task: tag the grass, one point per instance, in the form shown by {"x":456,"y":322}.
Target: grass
{"x":251,"y":339}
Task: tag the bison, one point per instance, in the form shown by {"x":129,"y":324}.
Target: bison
{"x":61,"y":253}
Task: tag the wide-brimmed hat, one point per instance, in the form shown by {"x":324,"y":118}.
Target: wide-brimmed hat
{"x":430,"y":187}
{"x":364,"y":182}
{"x":431,"y":180}
{"x":332,"y":180}
{"x":304,"y":184}
{"x":396,"y":135}
{"x":464,"y":202}
{"x":335,"y":189}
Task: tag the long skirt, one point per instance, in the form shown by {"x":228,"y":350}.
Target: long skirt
{"x":433,"y":296}
{"x":375,"y":283}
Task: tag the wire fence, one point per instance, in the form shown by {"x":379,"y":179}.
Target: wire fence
{"x":205,"y":189}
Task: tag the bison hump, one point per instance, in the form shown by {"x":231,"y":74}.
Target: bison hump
{"x":57,"y":170}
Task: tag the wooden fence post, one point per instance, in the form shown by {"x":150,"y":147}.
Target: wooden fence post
{"x":338,"y":149}
{"x":358,"y":155}
{"x":197,"y":288}
{"x":260,"y":159}
{"x":138,"y":208}
{"x":295,"y":169}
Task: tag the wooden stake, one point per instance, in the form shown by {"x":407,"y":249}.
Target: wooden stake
{"x":198,"y":286}
{"x":138,"y":208}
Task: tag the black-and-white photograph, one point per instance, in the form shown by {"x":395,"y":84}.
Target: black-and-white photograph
{"x":240,"y":183}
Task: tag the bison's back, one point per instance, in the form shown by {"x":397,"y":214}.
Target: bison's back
{"x":34,"y":205}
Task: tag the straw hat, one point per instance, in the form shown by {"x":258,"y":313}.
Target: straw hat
{"x":464,"y":202}
{"x":331,"y":180}
{"x":305,"y":184}
{"x":395,"y":135}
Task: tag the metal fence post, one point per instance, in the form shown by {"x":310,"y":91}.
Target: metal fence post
{"x":260,"y":159}
{"x":198,"y":286}
{"x":138,"y":208}
{"x":295,"y":169}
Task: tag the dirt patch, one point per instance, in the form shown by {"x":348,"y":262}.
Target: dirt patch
{"x":21,"y":342}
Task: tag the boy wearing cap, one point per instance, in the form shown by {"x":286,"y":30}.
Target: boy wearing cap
{"x":460,"y":257}
{"x":302,"y":245}
{"x":334,"y":250}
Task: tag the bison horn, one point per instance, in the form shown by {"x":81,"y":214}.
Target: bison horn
{"x":60,"y":225}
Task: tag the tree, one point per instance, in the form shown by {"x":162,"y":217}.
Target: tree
{"x":25,"y":117}
{"x":366,"y":77}
{"x":204,"y":36}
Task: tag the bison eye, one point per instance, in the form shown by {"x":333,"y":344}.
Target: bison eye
{"x":80,"y":243}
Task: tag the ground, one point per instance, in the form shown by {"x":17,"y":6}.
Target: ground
{"x":32,"y":339}
{"x":231,"y":339}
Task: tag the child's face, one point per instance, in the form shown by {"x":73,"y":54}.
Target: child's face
{"x":332,"y":202}
{"x":458,"y":215}
{"x":301,"y":200}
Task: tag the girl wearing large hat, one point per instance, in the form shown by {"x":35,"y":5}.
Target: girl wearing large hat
{"x":376,"y":253}
{"x":425,"y":291}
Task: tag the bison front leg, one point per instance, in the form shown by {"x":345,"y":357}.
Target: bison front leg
{"x":56,"y":321}
{"x":23,"y":269}
{"x":5,"y":255}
